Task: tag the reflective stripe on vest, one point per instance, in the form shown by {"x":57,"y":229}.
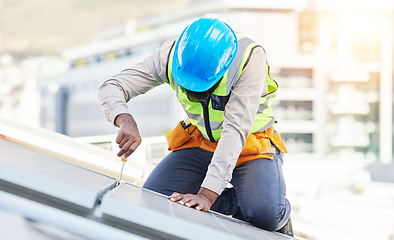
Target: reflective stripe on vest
{"x":219,"y":98}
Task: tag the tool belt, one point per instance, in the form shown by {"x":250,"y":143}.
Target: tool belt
{"x":257,"y":145}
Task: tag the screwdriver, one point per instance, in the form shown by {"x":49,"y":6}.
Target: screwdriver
{"x":121,"y":171}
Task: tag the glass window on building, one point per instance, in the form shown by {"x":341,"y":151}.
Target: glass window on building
{"x":294,"y":110}
{"x":295,"y":77}
{"x":298,"y":142}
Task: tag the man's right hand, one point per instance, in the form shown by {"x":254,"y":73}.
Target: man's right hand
{"x":128,"y":135}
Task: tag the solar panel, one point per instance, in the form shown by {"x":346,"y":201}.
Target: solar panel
{"x":22,"y":218}
{"x":47,"y":190}
{"x":49,"y":180}
{"x":129,"y":204}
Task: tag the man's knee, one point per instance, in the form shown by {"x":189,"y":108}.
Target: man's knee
{"x":267,"y":219}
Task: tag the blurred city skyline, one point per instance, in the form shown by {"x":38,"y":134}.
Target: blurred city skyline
{"x":343,"y":47}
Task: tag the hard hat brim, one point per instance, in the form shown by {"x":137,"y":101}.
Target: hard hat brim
{"x":193,"y":83}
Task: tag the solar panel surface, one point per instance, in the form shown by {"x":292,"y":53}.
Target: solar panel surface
{"x":85,"y":204}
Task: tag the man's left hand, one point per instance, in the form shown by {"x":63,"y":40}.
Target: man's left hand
{"x":202,"y":201}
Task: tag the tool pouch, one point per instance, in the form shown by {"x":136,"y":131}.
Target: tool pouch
{"x":177,"y":137}
{"x":254,"y":145}
{"x":257,"y":145}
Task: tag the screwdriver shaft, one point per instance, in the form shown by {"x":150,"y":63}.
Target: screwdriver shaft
{"x":121,"y":171}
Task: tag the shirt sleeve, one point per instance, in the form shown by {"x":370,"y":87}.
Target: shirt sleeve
{"x":239,"y":115}
{"x":115,"y":92}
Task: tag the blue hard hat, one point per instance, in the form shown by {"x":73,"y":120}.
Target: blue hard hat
{"x":203,"y":53}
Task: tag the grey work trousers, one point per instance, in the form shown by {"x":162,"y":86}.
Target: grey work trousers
{"x":258,"y":194}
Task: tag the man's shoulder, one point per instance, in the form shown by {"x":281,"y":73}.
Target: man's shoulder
{"x":166,"y":46}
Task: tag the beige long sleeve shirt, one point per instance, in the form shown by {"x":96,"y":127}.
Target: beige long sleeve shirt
{"x":239,"y":113}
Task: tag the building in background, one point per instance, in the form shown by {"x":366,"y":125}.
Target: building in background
{"x":333,"y":62}
{"x":19,"y":96}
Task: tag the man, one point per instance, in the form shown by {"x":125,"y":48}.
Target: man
{"x":222,"y":81}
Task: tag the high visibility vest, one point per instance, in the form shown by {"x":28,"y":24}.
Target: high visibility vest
{"x":209,"y":118}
